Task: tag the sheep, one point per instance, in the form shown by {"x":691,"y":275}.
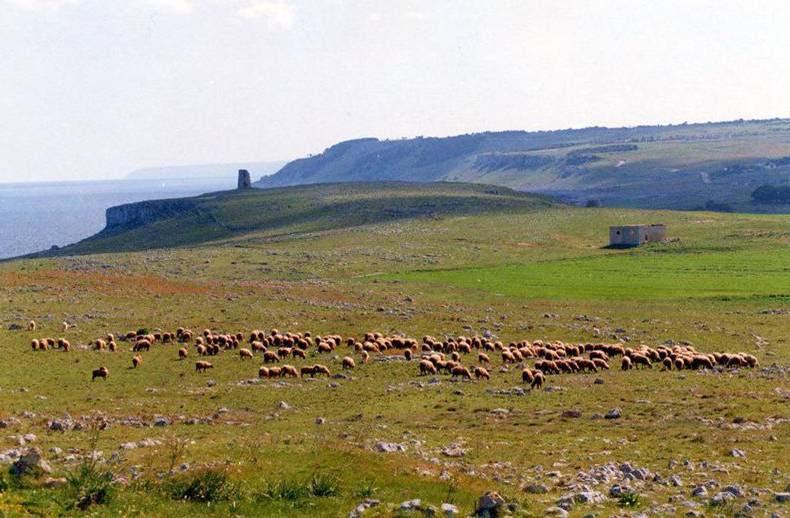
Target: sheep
{"x":270,"y":357}
{"x":112,"y":346}
{"x":274,"y":372}
{"x":585,"y":364}
{"x":34,"y":344}
{"x":348,"y":362}
{"x":263,"y":372}
{"x":43,"y":344}
{"x":203,"y":366}
{"x":640,"y":359}
{"x":537,"y":382}
{"x":427,"y":367}
{"x":600,"y":363}
{"x":137,"y":360}
{"x":289,"y":370}
{"x":508,"y":357}
{"x":101,"y":372}
{"x":666,"y":364}
{"x":320,"y":369}
{"x":99,"y":345}
{"x":245,"y":354}
{"x":201,"y":350}
{"x":65,"y":326}
{"x":701,"y":361}
{"x":31,"y":326}
{"x":142,"y":345}
{"x":407,"y":354}
{"x":600,"y":355}
{"x":298,"y":353}
{"x":483,"y":358}
{"x":679,"y":363}
{"x":460,"y":370}
{"x":182,"y":353}
{"x":626,"y":363}
{"x":66,"y":346}
{"x":481,"y":372}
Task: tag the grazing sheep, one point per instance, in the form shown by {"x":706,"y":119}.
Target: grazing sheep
{"x":460,"y":370}
{"x":201,"y":350}
{"x":66,"y":346}
{"x":483,"y":358}
{"x":101,"y":372}
{"x":407,"y":354}
{"x":701,"y":362}
{"x":203,"y":366}
{"x":320,"y":369}
{"x":31,"y":326}
{"x":589,"y":365}
{"x":666,"y":363}
{"x":481,"y":372}
{"x":274,"y":372}
{"x":245,"y":354}
{"x":537,"y":382}
{"x":142,"y":345}
{"x":289,"y":370}
{"x":112,"y":346}
{"x":298,"y":353}
{"x":263,"y":372}
{"x":640,"y":359}
{"x":507,"y":357}
{"x":427,"y":367}
{"x":600,"y":355}
{"x":679,"y":363}
{"x":65,"y":326}
{"x":137,"y":360}
{"x":626,"y":363}
{"x":99,"y":345}
{"x":348,"y":362}
{"x":34,"y":344}
{"x":270,"y":357}
{"x":43,"y":345}
{"x":182,"y":353}
{"x":601,"y":364}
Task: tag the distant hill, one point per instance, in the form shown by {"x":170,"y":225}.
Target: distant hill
{"x":688,"y":166}
{"x":290,"y":210}
{"x":205,"y":170}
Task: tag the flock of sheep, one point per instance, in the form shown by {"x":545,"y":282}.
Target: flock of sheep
{"x":435,"y":356}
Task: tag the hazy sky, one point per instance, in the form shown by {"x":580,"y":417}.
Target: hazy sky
{"x":97,"y":88}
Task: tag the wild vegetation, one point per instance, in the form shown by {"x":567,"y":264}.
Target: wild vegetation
{"x":162,"y":439}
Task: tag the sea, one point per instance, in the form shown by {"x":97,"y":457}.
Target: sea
{"x":36,"y":216}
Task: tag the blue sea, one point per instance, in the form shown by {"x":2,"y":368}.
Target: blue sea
{"x":35,"y":216}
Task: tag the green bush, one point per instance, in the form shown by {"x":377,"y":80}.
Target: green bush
{"x":324,"y":485}
{"x":88,"y":486}
{"x":209,"y":485}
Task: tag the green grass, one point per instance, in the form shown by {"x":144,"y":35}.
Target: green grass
{"x":626,"y":276}
{"x":722,"y":286}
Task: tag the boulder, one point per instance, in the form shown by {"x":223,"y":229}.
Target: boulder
{"x":30,"y":463}
{"x":614,"y":413}
{"x":489,"y":504}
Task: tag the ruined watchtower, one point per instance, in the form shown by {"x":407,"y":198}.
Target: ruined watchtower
{"x":244,"y":180}
{"x":635,"y":235}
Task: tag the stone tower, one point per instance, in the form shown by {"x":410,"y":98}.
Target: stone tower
{"x":244,"y":179}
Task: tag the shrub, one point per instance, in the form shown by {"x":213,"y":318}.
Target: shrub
{"x":88,"y":486}
{"x":365,"y":490}
{"x":210,"y":485}
{"x":324,"y":485}
{"x":629,"y":499}
{"x":288,"y":490}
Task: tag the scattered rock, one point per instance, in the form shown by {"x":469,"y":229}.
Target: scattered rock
{"x":556,"y":511}
{"x":30,"y":463}
{"x":320,"y":420}
{"x":699,"y":491}
{"x":30,"y":437}
{"x":161,"y":421}
{"x":409,"y":505}
{"x":737,"y":453}
{"x":572,"y":413}
{"x":598,"y":381}
{"x":453,"y":450}
{"x":614,"y":413}
{"x":782,"y":497}
{"x":500,"y":411}
{"x":536,"y":489}
{"x":489,"y":504}
{"x":283,"y":405}
{"x":54,"y":482}
{"x":734,"y":490}
{"x":389,"y":447}
{"x":449,"y":510}
{"x":362,"y":507}
{"x":675,"y":481}
{"x":721,"y":498}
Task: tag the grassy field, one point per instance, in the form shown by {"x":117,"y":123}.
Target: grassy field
{"x":536,"y":272}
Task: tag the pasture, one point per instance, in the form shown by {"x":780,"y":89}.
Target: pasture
{"x":302,"y":446}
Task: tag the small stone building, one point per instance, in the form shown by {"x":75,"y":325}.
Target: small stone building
{"x":635,"y":235}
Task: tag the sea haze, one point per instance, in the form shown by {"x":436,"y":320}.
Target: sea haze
{"x":36,"y":216}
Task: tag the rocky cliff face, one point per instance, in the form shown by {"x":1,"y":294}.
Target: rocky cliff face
{"x":132,"y":215}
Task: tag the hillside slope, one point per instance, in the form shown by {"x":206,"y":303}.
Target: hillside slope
{"x":678,"y":167}
{"x":290,"y":210}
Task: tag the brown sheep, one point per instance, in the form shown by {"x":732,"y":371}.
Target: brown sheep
{"x":31,"y":326}
{"x":527,"y":375}
{"x":626,"y":363}
{"x":679,"y":363}
{"x":270,"y":357}
{"x":201,"y":350}
{"x":600,"y":355}
{"x":427,"y":367}
{"x":589,"y":365}
{"x":601,"y":364}
{"x":142,"y":345}
{"x":137,"y":360}
{"x":289,"y":370}
{"x":112,"y":346}
{"x":34,"y":344}
{"x":320,"y":369}
{"x":101,"y":372}
{"x":666,"y":363}
{"x":481,"y":372}
{"x":701,"y":361}
{"x":407,"y":354}
{"x":182,"y":353}
{"x":43,"y":345}
{"x":460,"y":370}
{"x":274,"y":372}
{"x":66,"y":346}
{"x":304,"y":371}
{"x":245,"y":354}
{"x":483,"y":358}
{"x":538,"y":381}
{"x":507,"y":357}
{"x":641,"y":359}
{"x":263,"y":372}
{"x":99,"y":345}
{"x":348,"y":362}
{"x":203,"y":366}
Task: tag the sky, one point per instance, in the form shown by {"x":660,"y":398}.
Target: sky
{"x":93,"y":89}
